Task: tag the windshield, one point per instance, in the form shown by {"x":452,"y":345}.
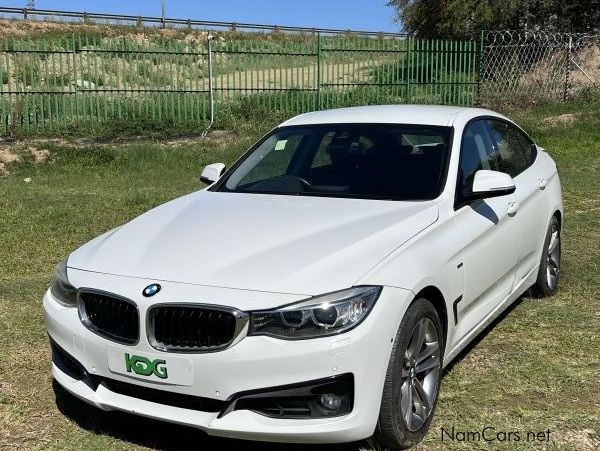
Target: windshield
{"x":378,"y":161}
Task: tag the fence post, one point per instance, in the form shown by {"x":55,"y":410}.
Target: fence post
{"x":210,"y":82}
{"x":568,"y":69}
{"x":319,"y":94}
{"x":479,"y":66}
{"x":75,"y":97}
{"x":408,"y":68}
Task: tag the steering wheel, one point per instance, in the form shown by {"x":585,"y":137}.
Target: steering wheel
{"x":302,"y":180}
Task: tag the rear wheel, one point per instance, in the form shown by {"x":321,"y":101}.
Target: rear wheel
{"x":413,"y":379}
{"x":548,"y":274}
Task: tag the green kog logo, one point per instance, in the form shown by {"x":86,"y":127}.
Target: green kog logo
{"x":145,"y":367}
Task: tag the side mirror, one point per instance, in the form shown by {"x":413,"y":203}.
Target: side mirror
{"x":491,"y":184}
{"x":212,"y":173}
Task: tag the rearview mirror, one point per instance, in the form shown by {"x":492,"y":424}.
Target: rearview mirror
{"x":492,"y":184}
{"x":212,"y":173}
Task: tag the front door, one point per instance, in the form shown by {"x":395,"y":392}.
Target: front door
{"x":489,"y":231}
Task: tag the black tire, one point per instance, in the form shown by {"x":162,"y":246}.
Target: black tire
{"x":392,"y":431}
{"x":549,"y":272}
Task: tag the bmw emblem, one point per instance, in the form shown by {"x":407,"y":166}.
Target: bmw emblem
{"x":151,"y":290}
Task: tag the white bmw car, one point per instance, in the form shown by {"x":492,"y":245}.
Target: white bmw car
{"x":314,"y":292}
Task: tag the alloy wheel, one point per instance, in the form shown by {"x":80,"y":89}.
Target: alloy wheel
{"x":420,"y":371}
{"x":553,"y":264}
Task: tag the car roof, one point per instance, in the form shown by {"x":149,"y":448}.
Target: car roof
{"x":439,"y":115}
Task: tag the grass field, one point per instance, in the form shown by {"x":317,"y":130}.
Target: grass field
{"x":535,"y":370}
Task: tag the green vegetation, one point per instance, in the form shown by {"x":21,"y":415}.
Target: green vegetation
{"x":467,"y":18}
{"x":537,"y":369}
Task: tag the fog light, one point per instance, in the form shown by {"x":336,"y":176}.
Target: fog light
{"x":331,"y":401}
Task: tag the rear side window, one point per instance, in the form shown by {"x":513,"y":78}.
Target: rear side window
{"x":528,"y":147}
{"x":508,"y":142}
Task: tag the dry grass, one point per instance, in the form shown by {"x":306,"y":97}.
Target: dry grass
{"x":34,"y":28}
{"x":561,"y":119}
{"x":6,"y":157}
{"x":588,"y":74}
{"x":12,"y":152}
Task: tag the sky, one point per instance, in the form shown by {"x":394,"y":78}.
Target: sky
{"x":344,"y":14}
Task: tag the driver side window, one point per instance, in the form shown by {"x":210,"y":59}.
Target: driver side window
{"x":476,"y":153}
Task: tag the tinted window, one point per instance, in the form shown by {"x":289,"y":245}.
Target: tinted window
{"x":274,"y":159}
{"x":346,"y":160}
{"x":477,"y":152}
{"x":513,"y":159}
{"x":322,"y":157}
{"x":527,"y":146}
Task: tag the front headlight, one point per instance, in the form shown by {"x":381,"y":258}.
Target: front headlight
{"x":320,"y":316}
{"x":64,"y":293}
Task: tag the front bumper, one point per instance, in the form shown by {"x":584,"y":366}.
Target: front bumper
{"x":254,"y":363}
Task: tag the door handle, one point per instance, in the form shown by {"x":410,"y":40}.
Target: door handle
{"x":542,"y":184}
{"x":512,"y":208}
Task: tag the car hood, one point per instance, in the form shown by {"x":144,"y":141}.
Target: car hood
{"x":284,"y":244}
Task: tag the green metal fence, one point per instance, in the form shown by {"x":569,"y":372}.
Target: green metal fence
{"x":50,"y":84}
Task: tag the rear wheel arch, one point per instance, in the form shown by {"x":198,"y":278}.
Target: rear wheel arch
{"x":549,"y":268}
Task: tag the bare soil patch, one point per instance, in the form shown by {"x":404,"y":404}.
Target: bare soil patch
{"x":14,"y":151}
{"x":561,"y":119}
{"x":6,"y":156}
{"x":39,"y":155}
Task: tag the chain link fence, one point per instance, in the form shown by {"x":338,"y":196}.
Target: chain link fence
{"x":520,"y":68}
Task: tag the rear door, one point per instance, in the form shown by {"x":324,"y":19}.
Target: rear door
{"x":518,"y":159}
{"x":490,"y":235}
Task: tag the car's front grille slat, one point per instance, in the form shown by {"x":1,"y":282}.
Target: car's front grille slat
{"x":218,"y":327}
{"x":110,"y":316}
{"x":190,"y":328}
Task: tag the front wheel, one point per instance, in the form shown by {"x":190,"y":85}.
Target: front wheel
{"x":413,"y":379}
{"x":547,"y":279}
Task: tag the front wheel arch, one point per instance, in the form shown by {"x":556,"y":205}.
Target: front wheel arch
{"x":435,"y":296}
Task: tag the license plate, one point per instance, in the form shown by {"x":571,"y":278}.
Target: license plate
{"x":149,"y":366}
